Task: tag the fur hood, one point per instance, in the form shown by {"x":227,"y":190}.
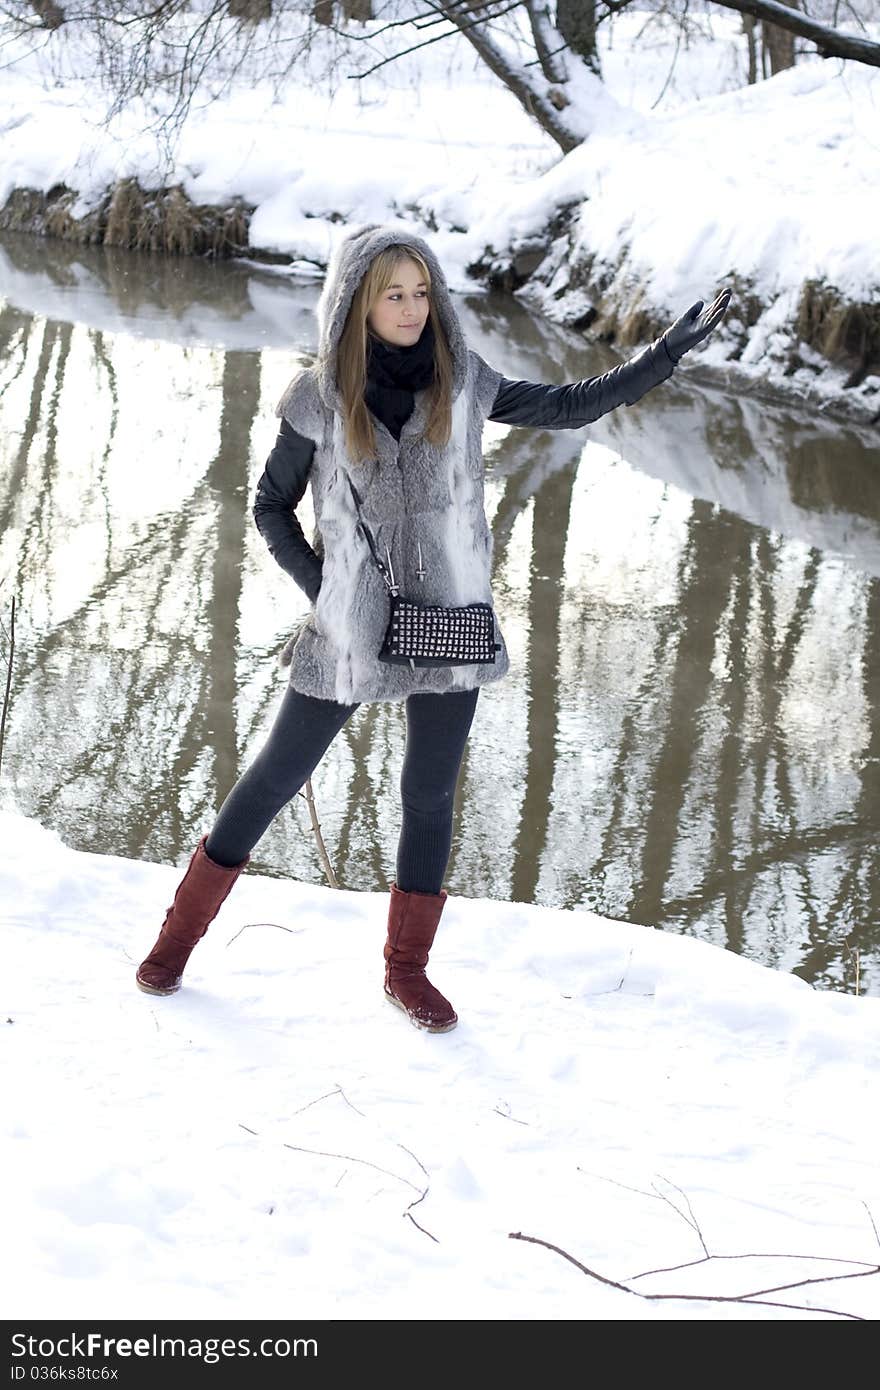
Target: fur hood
{"x":349,"y":261}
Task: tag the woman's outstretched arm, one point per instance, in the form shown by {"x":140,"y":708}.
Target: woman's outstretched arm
{"x":280,"y":489}
{"x":569,"y":407}
{"x":581,"y":402}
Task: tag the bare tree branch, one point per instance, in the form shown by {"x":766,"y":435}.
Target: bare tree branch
{"x":413,"y":48}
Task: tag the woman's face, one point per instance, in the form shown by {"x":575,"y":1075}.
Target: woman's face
{"x":398,"y":315}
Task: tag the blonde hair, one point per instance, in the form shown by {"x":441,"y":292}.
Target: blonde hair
{"x":351,"y":358}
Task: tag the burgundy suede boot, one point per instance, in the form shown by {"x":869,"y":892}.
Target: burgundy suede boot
{"x":199,"y":897}
{"x":412,"y":924}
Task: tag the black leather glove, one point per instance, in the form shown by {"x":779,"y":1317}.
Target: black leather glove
{"x":694,"y":326}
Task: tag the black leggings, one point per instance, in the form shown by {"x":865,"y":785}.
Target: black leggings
{"x":437,"y":727}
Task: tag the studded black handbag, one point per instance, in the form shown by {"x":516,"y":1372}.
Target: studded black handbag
{"x":430,"y":634}
{"x":427,"y":634}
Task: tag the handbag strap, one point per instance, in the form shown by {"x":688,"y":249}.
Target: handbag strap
{"x":383,"y":569}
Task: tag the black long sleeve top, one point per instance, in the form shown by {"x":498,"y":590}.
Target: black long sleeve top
{"x":285,"y":477}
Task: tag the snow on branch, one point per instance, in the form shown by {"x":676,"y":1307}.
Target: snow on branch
{"x":541,"y":99}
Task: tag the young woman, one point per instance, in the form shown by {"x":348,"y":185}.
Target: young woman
{"x":387,"y":426}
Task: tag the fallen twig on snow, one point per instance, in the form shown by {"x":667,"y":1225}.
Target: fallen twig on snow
{"x":408,"y":1213}
{"x":9,"y":657}
{"x":337,"y":1091}
{"x":754,"y":1297}
{"x":347,"y":1158}
{"x":294,"y":931}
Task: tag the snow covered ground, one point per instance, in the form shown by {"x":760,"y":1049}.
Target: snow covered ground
{"x":275,"y":1141}
{"x":690,"y":181}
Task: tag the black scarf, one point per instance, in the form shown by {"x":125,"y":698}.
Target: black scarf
{"x":394,"y":374}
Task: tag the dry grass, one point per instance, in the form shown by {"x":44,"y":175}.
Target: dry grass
{"x":848,"y":334}
{"x":629,"y":320}
{"x":636,"y":324}
{"x":163,"y":221}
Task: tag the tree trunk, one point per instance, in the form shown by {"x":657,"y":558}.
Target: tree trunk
{"x":749,"y":27}
{"x":251,"y":11}
{"x":546,"y":41}
{"x":542,"y":102}
{"x":778,"y":44}
{"x":576,"y":22}
{"x":51,"y":16}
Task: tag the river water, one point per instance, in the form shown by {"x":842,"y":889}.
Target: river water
{"x":689,"y":588}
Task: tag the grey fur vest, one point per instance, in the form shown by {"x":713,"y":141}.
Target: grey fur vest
{"x":412,"y":494}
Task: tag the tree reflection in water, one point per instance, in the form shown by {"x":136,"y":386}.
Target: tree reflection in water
{"x":689,"y":734}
